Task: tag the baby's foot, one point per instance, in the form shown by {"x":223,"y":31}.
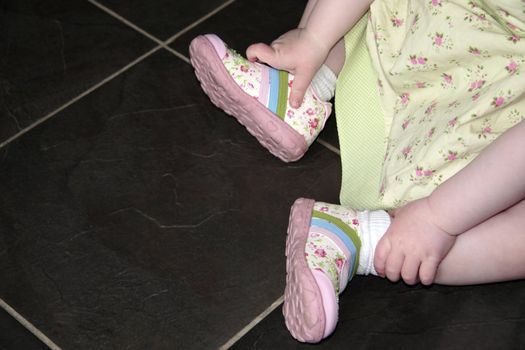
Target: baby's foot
{"x":257,"y":95}
{"x":326,"y":246}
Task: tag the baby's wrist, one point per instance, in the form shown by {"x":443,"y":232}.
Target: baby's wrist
{"x":317,"y":41}
{"x":439,"y":219}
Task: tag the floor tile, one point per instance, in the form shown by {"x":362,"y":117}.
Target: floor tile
{"x":14,"y":336}
{"x":246,"y":22}
{"x":50,"y":51}
{"x":144,"y":217}
{"x":377,"y":314}
{"x":162,"y":18}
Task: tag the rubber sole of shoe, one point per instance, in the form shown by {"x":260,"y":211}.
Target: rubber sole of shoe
{"x":271,"y":132}
{"x":303,"y":309}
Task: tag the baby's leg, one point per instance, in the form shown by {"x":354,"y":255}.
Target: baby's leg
{"x":306,"y":14}
{"x":490,"y":252}
{"x":336,"y":58}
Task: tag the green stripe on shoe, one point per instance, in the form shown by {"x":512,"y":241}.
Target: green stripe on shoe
{"x":350,"y":232}
{"x":282,"y":101}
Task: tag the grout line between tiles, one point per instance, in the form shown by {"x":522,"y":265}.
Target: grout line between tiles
{"x":279,"y":301}
{"x":329,"y":146}
{"x":29,"y":326}
{"x":252,"y":324}
{"x":80,"y":96}
{"x":199,"y":21}
{"x":138,"y":29}
{"x":163,"y":45}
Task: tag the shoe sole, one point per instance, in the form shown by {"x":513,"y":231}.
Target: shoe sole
{"x":272,"y":133}
{"x":303,"y":309}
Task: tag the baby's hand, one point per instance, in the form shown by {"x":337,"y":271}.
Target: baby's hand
{"x":298,"y":52}
{"x":413,"y":245}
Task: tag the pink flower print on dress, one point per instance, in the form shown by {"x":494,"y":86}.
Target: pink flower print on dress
{"x":438,"y":39}
{"x":453,"y":121}
{"x":486,"y":131}
{"x":406,"y":151}
{"x":413,"y":59}
{"x":355,"y":222}
{"x":421,"y":84}
{"x":512,"y":67}
{"x":290,"y":113}
{"x":475,"y":97}
{"x":474,"y":50}
{"x":514,"y":38}
{"x":431,"y":132}
{"x":422,"y":60}
{"x":310,"y":111}
{"x":452,"y":156}
{"x":421,"y":172}
{"x":498,"y":101}
{"x":320,"y":252}
{"x":324,"y":209}
{"x":405,"y":98}
{"x":290,"y":83}
{"x":481,"y":17}
{"x":397,"y":22}
{"x":405,"y":124}
{"x":430,"y":109}
{"x":447,"y":78}
{"x":478,"y":84}
{"x":243,"y":68}
{"x":435,"y":2}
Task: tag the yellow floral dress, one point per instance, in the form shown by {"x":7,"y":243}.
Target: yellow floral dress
{"x":450,"y":79}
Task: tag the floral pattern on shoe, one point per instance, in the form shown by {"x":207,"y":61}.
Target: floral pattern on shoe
{"x":346,"y":215}
{"x":308,"y":120}
{"x":323,"y":254}
{"x":247,"y":75}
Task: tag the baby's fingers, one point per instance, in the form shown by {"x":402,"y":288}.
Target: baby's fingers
{"x":381,"y":254}
{"x":301,"y":82}
{"x":410,"y":270}
{"x":428,"y":270}
{"x":262,"y":52}
{"x":394,"y":263}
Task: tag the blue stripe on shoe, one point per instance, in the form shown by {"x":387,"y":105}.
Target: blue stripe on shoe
{"x":274,"y":90}
{"x":343,"y":237}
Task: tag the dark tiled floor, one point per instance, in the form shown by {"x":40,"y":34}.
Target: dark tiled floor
{"x":162,"y":18}
{"x":14,"y":336}
{"x":51,"y":51}
{"x":377,"y":314}
{"x":141,"y":217}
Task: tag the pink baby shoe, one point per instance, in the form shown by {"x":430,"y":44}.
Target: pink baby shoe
{"x":322,"y":256}
{"x":257,"y":95}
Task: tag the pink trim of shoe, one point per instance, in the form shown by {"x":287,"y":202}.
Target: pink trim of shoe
{"x":331,"y":308}
{"x":310,"y":305}
{"x":206,"y":53}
